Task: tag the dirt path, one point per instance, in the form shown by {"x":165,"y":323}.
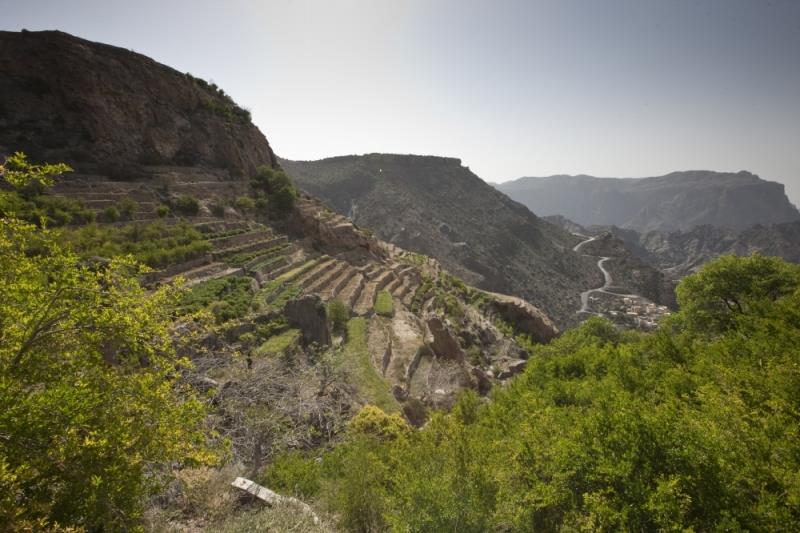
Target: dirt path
{"x":606,"y":277}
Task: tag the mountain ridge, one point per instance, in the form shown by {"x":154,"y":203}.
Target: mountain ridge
{"x":678,"y":200}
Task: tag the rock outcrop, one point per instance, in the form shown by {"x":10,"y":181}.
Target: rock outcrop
{"x":109,"y":111}
{"x":443,"y":343}
{"x":308,"y":314}
{"x":524,"y":316}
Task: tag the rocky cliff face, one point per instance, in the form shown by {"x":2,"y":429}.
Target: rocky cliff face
{"x":437,"y":207}
{"x":677,"y":201}
{"x":106,"y":110}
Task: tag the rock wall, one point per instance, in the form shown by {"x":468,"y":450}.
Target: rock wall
{"x":109,"y":111}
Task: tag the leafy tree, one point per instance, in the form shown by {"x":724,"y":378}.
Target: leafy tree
{"x":731,"y":286}
{"x":278,"y":187}
{"x":29,"y":178}
{"x":27,"y":199}
{"x":91,"y":410}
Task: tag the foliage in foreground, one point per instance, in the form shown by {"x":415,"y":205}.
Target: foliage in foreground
{"x":694,"y":427}
{"x":27,"y":197}
{"x":91,"y":412}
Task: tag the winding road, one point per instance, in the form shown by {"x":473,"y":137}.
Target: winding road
{"x":606,"y":276}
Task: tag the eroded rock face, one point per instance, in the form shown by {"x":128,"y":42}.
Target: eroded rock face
{"x":525,"y":317}
{"x":312,"y":221}
{"x":107,"y":110}
{"x":308,"y":314}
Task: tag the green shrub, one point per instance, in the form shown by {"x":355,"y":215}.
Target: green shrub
{"x":227,"y":298}
{"x":127,"y":208}
{"x":384,"y":305}
{"x":162,"y":211}
{"x":294,"y":474}
{"x":187,"y":205}
{"x":244,"y":203}
{"x":357,"y":486}
{"x":156,"y":244}
{"x":373,"y":421}
{"x":338,"y":314}
{"x":111,"y":214}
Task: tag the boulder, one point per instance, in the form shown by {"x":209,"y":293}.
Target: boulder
{"x":524,"y":316}
{"x":308,"y":314}
{"x":444,"y":344}
{"x":482,"y":380}
{"x":511,"y":368}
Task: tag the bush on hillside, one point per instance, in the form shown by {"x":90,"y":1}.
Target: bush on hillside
{"x":277,"y":185}
{"x":187,"y":204}
{"x":245,"y":203}
{"x":338,"y":314}
{"x":111,"y":214}
{"x":156,"y":244}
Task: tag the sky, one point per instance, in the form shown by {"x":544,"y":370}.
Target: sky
{"x":617,"y":88}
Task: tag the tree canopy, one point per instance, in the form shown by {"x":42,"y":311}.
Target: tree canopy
{"x":91,"y":410}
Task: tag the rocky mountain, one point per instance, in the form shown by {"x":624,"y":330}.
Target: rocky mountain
{"x":164,"y":166}
{"x":437,"y":207}
{"x":106,"y":110}
{"x":676,"y":201}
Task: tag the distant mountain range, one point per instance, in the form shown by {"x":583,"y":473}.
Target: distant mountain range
{"x":436,"y":206}
{"x":676,"y":201}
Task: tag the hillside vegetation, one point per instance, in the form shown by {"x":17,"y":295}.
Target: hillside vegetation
{"x":691,"y":428}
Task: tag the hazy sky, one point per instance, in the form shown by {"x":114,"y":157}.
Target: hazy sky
{"x":513,"y":88}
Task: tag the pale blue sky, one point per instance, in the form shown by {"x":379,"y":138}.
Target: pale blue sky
{"x":513,"y":88}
